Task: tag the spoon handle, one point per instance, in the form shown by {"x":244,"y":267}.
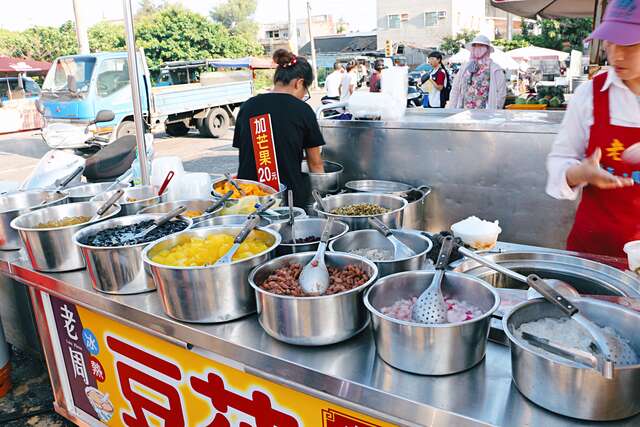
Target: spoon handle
{"x":445,"y":253}
{"x":318,"y":198}
{"x":380,"y":226}
{"x":220,"y":202}
{"x":112,"y":200}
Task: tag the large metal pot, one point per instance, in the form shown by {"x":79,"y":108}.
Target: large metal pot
{"x":16,"y":204}
{"x":415,"y":214}
{"x":392,"y":219}
{"x":362,"y":239}
{"x":565,"y":387}
{"x":84,"y":193}
{"x":118,"y":270}
{"x":327,"y":182}
{"x":272,"y":194}
{"x":312,"y":321}
{"x":430,"y":349}
{"x":134,"y":198}
{"x":306,"y":227}
{"x":283,"y":214}
{"x":207,"y":294}
{"x":228,"y":220}
{"x":192,"y":205}
{"x":53,"y":249}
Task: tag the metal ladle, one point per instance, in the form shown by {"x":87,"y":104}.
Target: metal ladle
{"x":612,"y":348}
{"x":106,"y":205}
{"x":251,"y":223}
{"x":314,"y":278}
{"x":400,"y":250}
{"x":291,"y":221}
{"x":157,"y":223}
{"x":431,"y":307}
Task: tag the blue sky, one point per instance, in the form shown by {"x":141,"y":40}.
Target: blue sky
{"x":360,"y":14}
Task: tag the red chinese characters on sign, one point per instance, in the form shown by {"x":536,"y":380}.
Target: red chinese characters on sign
{"x":333,"y":418}
{"x":258,"y":406}
{"x":170,"y":411}
{"x":264,"y":151}
{"x":96,"y":369}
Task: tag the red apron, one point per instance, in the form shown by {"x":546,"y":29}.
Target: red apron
{"x":607,"y":219}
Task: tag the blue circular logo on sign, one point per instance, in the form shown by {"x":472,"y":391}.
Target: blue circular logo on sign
{"x":90,"y":341}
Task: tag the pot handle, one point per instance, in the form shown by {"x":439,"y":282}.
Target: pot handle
{"x":425,"y":189}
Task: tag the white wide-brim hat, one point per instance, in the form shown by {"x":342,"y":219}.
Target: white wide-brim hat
{"x":480,"y":39}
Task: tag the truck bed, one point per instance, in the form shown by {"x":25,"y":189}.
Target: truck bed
{"x":196,"y":96}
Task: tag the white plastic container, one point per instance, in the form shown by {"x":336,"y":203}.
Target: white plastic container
{"x":477,"y":233}
{"x":632,"y":249}
{"x":161,"y":166}
{"x":194,"y":185}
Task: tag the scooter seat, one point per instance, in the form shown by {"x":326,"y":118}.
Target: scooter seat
{"x":112,"y":160}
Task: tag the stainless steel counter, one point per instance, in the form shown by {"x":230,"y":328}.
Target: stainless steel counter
{"x":489,"y":164}
{"x":349,"y":373}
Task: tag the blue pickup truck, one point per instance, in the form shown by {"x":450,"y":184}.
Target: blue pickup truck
{"x":78,"y":86}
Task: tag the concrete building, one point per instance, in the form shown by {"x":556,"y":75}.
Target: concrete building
{"x":275,"y":35}
{"x":424,"y":23}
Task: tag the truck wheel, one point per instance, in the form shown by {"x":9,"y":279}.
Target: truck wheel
{"x":177,"y":129}
{"x":217,"y":122}
{"x":127,"y":127}
{"x":202,"y":128}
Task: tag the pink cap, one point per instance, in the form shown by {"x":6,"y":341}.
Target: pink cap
{"x":621,"y":23}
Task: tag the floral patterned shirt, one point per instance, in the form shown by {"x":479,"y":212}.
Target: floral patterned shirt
{"x":476,"y":94}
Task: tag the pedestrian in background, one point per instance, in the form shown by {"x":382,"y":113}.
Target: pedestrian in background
{"x":332,"y":83}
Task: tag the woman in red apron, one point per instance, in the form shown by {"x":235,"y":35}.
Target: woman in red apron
{"x":593,"y":150}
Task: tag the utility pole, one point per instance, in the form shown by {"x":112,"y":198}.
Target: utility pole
{"x":293,"y":28}
{"x":81,"y":29}
{"x":509,"y":26}
{"x":313,"y":47}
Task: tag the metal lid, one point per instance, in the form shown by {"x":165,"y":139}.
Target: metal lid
{"x":377,"y":186}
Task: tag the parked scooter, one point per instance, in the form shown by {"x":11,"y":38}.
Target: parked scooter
{"x":414,"y":97}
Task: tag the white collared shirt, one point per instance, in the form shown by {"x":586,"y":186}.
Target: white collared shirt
{"x":571,"y":143}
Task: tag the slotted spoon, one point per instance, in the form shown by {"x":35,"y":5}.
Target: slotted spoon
{"x":430,"y":307}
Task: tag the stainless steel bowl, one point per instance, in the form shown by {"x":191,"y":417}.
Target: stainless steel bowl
{"x":431,"y":349}
{"x":362,"y":239}
{"x":392,"y":219}
{"x":208,"y":294}
{"x":312,"y":321}
{"x":53,"y":249}
{"x":399,"y":189}
{"x":196,"y":205}
{"x":118,"y":269}
{"x":16,"y":204}
{"x":306,"y":227}
{"x":144,"y":195}
{"x":283,"y":215}
{"x":327,"y":182}
{"x":84,"y":193}
{"x":228,"y":220}
{"x":567,"y":388}
{"x":272,"y":194}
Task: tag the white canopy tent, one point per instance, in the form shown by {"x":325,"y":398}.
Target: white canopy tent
{"x":533,"y":52}
{"x":498,"y":56}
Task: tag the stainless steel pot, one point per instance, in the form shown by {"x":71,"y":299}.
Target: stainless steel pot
{"x":53,"y":249}
{"x":143,"y":196}
{"x":192,"y":205}
{"x":272,"y":194}
{"x":392,"y":219}
{"x":430,"y":349}
{"x":327,"y":182}
{"x":207,"y":294}
{"x":283,"y":215}
{"x":16,"y":204}
{"x":362,"y":239}
{"x":228,"y":220}
{"x":399,"y":189}
{"x":312,"y":321}
{"x":119,"y":269}
{"x":415,"y":214}
{"x":84,"y":193}
{"x":306,"y":227}
{"x":565,"y":387}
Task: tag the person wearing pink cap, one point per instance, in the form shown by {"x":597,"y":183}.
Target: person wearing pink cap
{"x":594,"y":153}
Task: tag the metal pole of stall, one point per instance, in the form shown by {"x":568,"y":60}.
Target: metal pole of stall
{"x":135,"y":90}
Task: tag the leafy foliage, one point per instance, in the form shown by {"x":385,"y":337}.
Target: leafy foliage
{"x":175,"y":33}
{"x":106,"y":36}
{"x":506,"y":45}
{"x":451,"y":44}
{"x":559,"y":34}
{"x":235,"y":15}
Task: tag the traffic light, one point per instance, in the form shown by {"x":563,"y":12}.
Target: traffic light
{"x":388,"y":48}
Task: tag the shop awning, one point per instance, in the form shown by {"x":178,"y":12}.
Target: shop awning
{"x":548,"y":8}
{"x":20,"y":65}
{"x":247,"y":62}
{"x":534,"y":52}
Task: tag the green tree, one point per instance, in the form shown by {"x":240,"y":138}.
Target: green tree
{"x":175,"y":33}
{"x":106,"y":36}
{"x":149,"y":7}
{"x":342,"y":26}
{"x":559,"y":34}
{"x":451,"y":44}
{"x":236,"y":15}
{"x":507,"y":45}
{"x":47,"y":43}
